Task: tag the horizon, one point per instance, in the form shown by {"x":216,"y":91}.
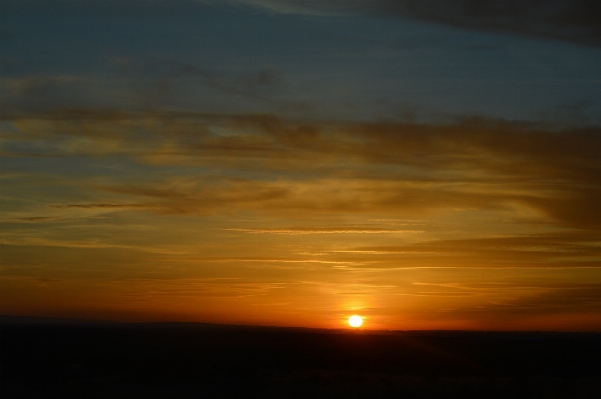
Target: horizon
{"x":7,"y":320}
{"x":431,"y":166}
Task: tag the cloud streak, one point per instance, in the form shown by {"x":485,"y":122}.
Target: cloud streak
{"x":323,"y":230}
{"x":100,"y":206}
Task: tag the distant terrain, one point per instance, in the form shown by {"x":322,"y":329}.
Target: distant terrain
{"x":58,"y":358}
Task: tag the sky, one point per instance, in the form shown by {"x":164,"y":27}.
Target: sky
{"x":426,"y":165}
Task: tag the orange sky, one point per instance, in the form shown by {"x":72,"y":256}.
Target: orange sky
{"x":292,"y":164}
{"x":480,"y":225}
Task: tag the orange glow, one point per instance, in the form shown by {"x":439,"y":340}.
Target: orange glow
{"x":311,"y":247}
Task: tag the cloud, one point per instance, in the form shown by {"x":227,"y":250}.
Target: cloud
{"x":81,"y":244}
{"x":267,"y":164}
{"x":238,"y":260}
{"x":572,"y":20}
{"x":100,"y":206}
{"x":35,"y":219}
{"x":549,"y":250}
{"x":39,"y":93}
{"x":158,"y":75}
{"x":183,"y":196}
{"x":323,"y":230}
{"x":547,"y":300}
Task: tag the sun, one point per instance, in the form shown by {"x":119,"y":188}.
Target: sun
{"x":355,"y":321}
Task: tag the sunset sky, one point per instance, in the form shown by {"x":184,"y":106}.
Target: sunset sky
{"x":428,"y":164}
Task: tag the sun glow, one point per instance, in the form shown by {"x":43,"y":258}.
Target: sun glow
{"x":355,"y":321}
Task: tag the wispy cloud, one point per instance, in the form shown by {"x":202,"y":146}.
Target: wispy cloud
{"x":34,"y":219}
{"x":567,"y":249}
{"x":323,"y":230}
{"x":100,"y":206}
{"x":83,"y":244}
{"x":397,"y":169}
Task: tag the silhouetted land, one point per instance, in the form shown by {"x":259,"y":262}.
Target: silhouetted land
{"x":58,"y":359}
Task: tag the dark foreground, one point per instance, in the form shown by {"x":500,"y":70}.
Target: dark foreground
{"x":58,"y":360}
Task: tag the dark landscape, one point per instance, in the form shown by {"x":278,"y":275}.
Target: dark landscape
{"x":47,"y":358}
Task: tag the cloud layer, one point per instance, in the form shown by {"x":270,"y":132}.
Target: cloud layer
{"x":267,"y":164}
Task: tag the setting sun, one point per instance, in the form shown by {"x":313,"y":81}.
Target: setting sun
{"x":355,"y":321}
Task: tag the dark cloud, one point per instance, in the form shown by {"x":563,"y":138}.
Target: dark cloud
{"x":547,"y":300}
{"x":573,"y":20}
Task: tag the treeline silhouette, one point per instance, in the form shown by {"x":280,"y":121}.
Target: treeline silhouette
{"x":181,"y":360}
